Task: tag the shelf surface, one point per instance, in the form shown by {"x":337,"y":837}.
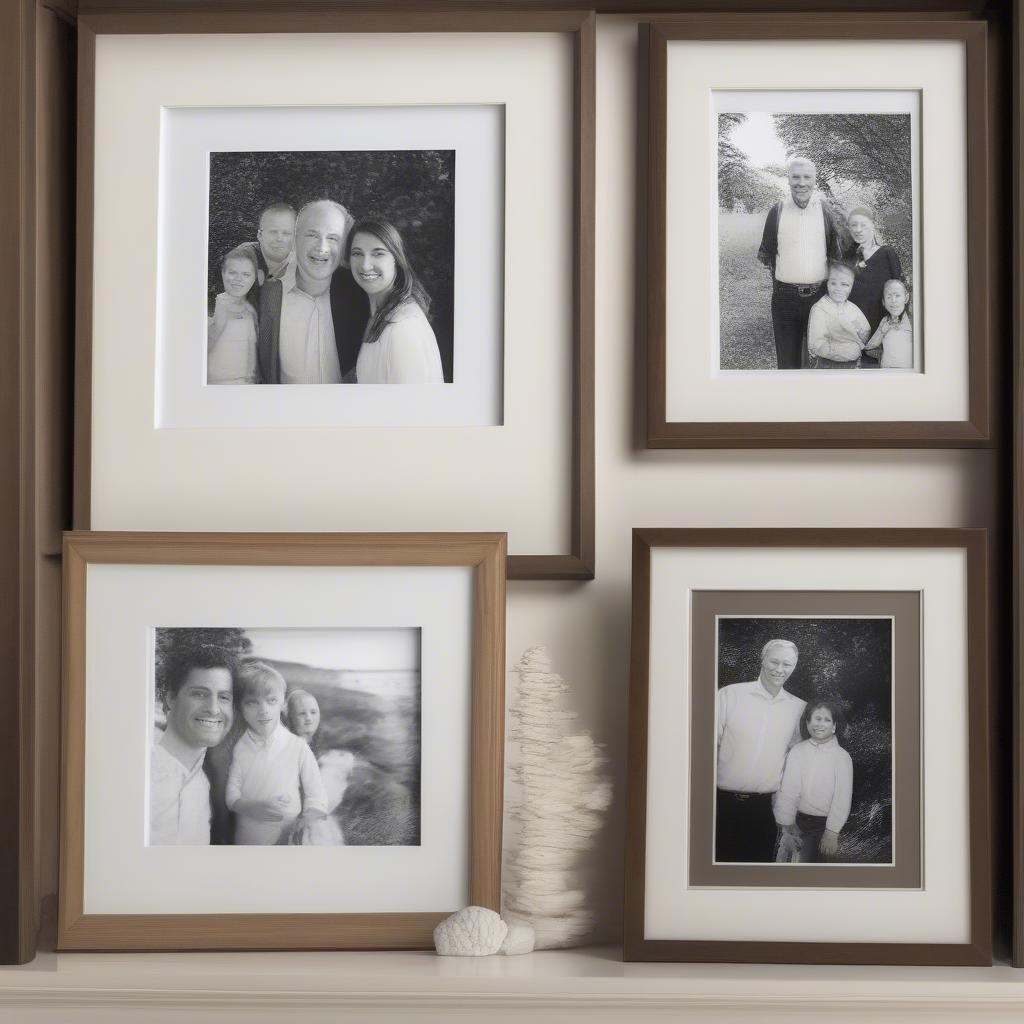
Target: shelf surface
{"x":563,"y":984}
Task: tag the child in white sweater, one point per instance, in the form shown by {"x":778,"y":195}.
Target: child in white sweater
{"x":817,"y":787}
{"x":274,"y":785}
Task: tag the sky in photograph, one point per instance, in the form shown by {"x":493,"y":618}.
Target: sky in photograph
{"x":359,"y":648}
{"x":757,"y":138}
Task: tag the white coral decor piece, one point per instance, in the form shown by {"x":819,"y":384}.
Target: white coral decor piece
{"x":472,"y":931}
{"x":564,"y":796}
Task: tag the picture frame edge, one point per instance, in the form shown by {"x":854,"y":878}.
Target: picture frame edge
{"x":484,"y":553}
{"x":976,"y":430}
{"x":578,"y":563}
{"x":977,"y":949}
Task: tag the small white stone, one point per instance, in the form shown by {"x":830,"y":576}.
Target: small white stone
{"x":520,"y":938}
{"x":472,"y":931}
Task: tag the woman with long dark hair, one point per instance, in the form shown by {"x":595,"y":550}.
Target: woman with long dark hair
{"x":399,"y":346}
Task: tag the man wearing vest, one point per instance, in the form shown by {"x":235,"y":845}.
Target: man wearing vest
{"x":312,"y":319}
{"x":802,"y":233}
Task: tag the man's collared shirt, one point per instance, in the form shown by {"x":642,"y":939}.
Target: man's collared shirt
{"x":818,"y":780}
{"x":179,"y":801}
{"x":272,"y":768}
{"x":307,"y":350}
{"x":755,"y":730}
{"x":802,"y":256}
{"x":278,"y":274}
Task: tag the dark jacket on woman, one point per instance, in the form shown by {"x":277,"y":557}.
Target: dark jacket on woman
{"x":866,"y":293}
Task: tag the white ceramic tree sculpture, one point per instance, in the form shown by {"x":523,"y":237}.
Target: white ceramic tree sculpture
{"x":563,"y":796}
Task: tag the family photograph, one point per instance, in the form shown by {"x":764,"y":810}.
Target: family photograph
{"x":804,"y":765}
{"x":815,"y":241}
{"x":282,"y":737}
{"x":331,"y":267}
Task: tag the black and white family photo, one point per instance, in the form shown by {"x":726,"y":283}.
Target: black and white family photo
{"x":815,"y":241}
{"x":804,"y":755}
{"x":271,"y":737}
{"x":331,"y":267}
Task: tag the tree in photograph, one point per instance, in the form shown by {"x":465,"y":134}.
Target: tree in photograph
{"x":861,"y":158}
{"x":741,"y":185}
{"x":172,"y":642}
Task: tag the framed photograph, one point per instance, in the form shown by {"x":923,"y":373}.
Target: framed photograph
{"x":368,"y":232}
{"x":808,"y":764}
{"x":301,"y":736}
{"x":801,"y":220}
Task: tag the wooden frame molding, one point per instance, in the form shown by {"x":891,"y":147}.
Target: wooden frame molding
{"x":983,"y":146}
{"x":980,"y":641}
{"x":578,"y":563}
{"x":484,"y":553}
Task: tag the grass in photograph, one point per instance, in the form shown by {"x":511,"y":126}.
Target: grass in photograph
{"x":744,"y":294}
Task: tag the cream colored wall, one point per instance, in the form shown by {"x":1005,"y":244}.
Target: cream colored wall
{"x":586,"y":626}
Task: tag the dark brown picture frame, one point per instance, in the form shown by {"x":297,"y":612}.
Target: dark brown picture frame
{"x":984,"y":149}
{"x":978,"y":950}
{"x":485,"y":553}
{"x":578,"y":563}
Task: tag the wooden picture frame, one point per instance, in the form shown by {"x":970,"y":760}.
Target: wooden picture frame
{"x":643,"y":776}
{"x":137,"y":18}
{"x":483,"y":554}
{"x":986,"y":148}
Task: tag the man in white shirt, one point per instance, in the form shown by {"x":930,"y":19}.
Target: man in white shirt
{"x":199,"y":703}
{"x":757,"y":723}
{"x":311,"y":320}
{"x":801,"y":234}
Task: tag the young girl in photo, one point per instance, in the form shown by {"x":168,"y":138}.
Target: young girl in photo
{"x":895,"y":332}
{"x":274,"y":785}
{"x":231,"y":332}
{"x":817,"y":786}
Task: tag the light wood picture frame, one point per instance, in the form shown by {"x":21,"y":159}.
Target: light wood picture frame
{"x":480,"y":778}
{"x":985,"y":147}
{"x":575,"y":560}
{"x":723,"y":923}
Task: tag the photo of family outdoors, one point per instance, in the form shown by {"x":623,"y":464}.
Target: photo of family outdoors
{"x":271,"y":737}
{"x":804,"y":745}
{"x":815,"y":241}
{"x":331,"y":267}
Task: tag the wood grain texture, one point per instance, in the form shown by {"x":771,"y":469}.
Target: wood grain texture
{"x":983,"y":147}
{"x":1017,"y":522}
{"x":578,"y":563}
{"x":17,"y":527}
{"x":978,"y":949}
{"x":485,"y":553}
{"x":82,"y":470}
{"x":949,"y":8}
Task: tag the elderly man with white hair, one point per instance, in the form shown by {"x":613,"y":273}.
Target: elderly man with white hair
{"x":801,"y":234}
{"x":757,"y":723}
{"x":312,"y":318}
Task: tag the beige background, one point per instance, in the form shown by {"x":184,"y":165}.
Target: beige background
{"x":586,"y":626}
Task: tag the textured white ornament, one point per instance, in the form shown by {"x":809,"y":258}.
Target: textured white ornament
{"x":472,"y":931}
{"x":520,"y":938}
{"x":564,"y":795}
